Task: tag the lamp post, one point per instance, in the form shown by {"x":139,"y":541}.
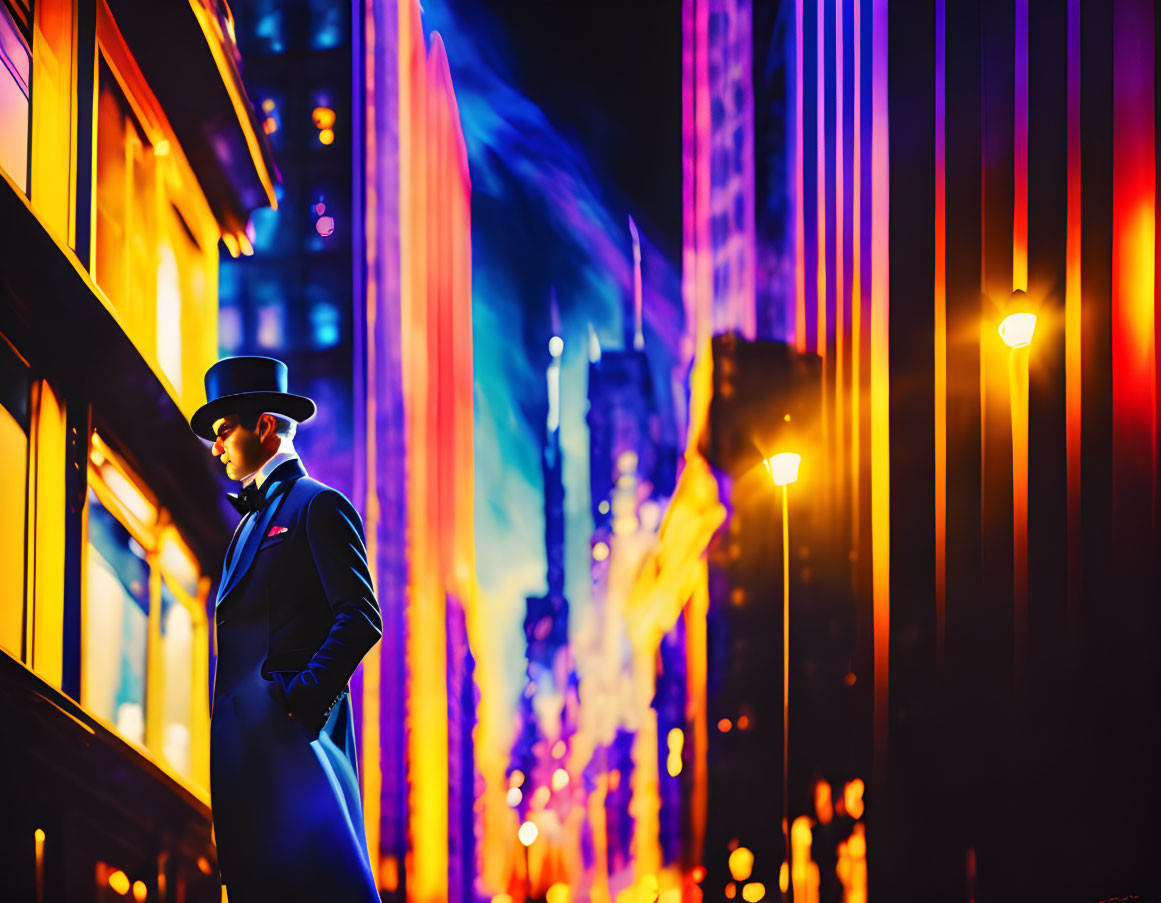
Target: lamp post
{"x":1016,"y":330}
{"x":783,"y":469}
{"x":527,"y":835}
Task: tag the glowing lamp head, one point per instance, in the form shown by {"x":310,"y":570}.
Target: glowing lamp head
{"x":1016,"y":329}
{"x":783,"y":468}
{"x":741,"y":863}
{"x":528,"y":833}
{"x":556,"y":346}
{"x":324,"y":117}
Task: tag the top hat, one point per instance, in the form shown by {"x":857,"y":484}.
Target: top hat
{"x":236,"y":385}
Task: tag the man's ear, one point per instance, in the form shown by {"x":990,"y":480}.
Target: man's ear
{"x":266,"y":427}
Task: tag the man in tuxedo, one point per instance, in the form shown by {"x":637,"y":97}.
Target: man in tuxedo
{"x":295,"y":614}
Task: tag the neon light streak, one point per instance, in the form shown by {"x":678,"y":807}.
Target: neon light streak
{"x":786,"y":669}
{"x":820,"y":180}
{"x":704,"y":294}
{"x":1018,"y":358}
{"x":1073,"y":321}
{"x":1018,"y":399}
{"x":880,"y":386}
{"x":799,"y":193}
{"x":839,"y":220}
{"x":1134,"y":272}
{"x":940,"y":295}
{"x":857,"y":279}
{"x":371,"y":770}
{"x":1020,"y":163}
{"x":821,"y":316}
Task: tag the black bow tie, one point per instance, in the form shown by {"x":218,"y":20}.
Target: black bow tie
{"x":248,"y":499}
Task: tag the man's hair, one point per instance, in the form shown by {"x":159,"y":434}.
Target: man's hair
{"x":284,"y":427}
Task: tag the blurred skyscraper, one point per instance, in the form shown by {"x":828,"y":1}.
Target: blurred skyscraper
{"x":289,"y":294}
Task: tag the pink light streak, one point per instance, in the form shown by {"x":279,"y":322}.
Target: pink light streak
{"x":880,"y":388}
{"x":940,"y":293}
{"x":1020,"y":148}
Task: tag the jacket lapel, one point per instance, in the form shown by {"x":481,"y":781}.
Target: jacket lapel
{"x":285,"y":476}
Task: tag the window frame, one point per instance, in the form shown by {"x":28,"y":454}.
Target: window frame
{"x":173,"y":185}
{"x":152,"y":537}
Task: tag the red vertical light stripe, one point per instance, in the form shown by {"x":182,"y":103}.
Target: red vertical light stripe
{"x":940,"y":320}
{"x":880,"y":390}
{"x":1018,"y":364}
{"x":1134,"y":271}
{"x":1073,"y":320}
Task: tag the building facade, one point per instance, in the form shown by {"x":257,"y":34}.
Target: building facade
{"x":119,"y":184}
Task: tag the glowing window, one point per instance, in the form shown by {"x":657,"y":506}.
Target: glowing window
{"x":270,"y":326}
{"x":116,"y":629}
{"x":144,"y":652}
{"x":325,"y":325}
{"x":15,"y":64}
{"x":15,"y":389}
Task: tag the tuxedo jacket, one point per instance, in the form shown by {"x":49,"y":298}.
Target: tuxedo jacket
{"x":306,"y":557}
{"x":295,"y":614}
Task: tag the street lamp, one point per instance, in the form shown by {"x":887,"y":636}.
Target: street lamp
{"x":527,"y":834}
{"x":783,"y":470}
{"x":1016,"y":330}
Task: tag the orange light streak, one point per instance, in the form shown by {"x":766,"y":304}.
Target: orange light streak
{"x":820,"y":205}
{"x":371,"y":772}
{"x":436,"y":349}
{"x":799,"y":192}
{"x":880,"y":389}
{"x":1073,"y":323}
{"x":697,"y":667}
{"x":940,"y":294}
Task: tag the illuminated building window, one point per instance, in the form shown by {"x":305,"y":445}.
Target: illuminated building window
{"x":155,"y":241}
{"x":328,"y":25}
{"x":325,"y":325}
{"x":125,"y":200}
{"x":229,"y":329}
{"x":270,"y":33}
{"x":116,"y":623}
{"x":267,"y":234}
{"x":271,"y":333}
{"x":15,"y":389}
{"x":15,"y":65}
{"x":169,"y":314}
{"x":144,"y":652}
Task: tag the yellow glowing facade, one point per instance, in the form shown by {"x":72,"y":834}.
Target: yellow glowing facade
{"x":108,"y":323}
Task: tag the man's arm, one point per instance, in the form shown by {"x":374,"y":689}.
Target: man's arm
{"x":335,"y":533}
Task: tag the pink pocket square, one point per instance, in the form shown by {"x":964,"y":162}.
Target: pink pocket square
{"x":274,"y":531}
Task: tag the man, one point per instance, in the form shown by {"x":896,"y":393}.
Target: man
{"x":296,"y":613}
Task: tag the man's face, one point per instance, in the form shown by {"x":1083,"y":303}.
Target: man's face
{"x":241,"y":450}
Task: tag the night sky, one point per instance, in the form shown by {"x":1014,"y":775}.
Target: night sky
{"x":608,"y":74}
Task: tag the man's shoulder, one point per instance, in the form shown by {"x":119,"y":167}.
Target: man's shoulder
{"x":315,"y":496}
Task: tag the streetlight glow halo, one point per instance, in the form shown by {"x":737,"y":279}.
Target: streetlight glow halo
{"x":783,"y":468}
{"x":1016,"y":329}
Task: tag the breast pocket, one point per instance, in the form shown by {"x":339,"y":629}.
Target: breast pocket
{"x":269,"y":542}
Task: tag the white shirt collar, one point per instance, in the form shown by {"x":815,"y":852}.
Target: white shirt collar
{"x":287,"y":454}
